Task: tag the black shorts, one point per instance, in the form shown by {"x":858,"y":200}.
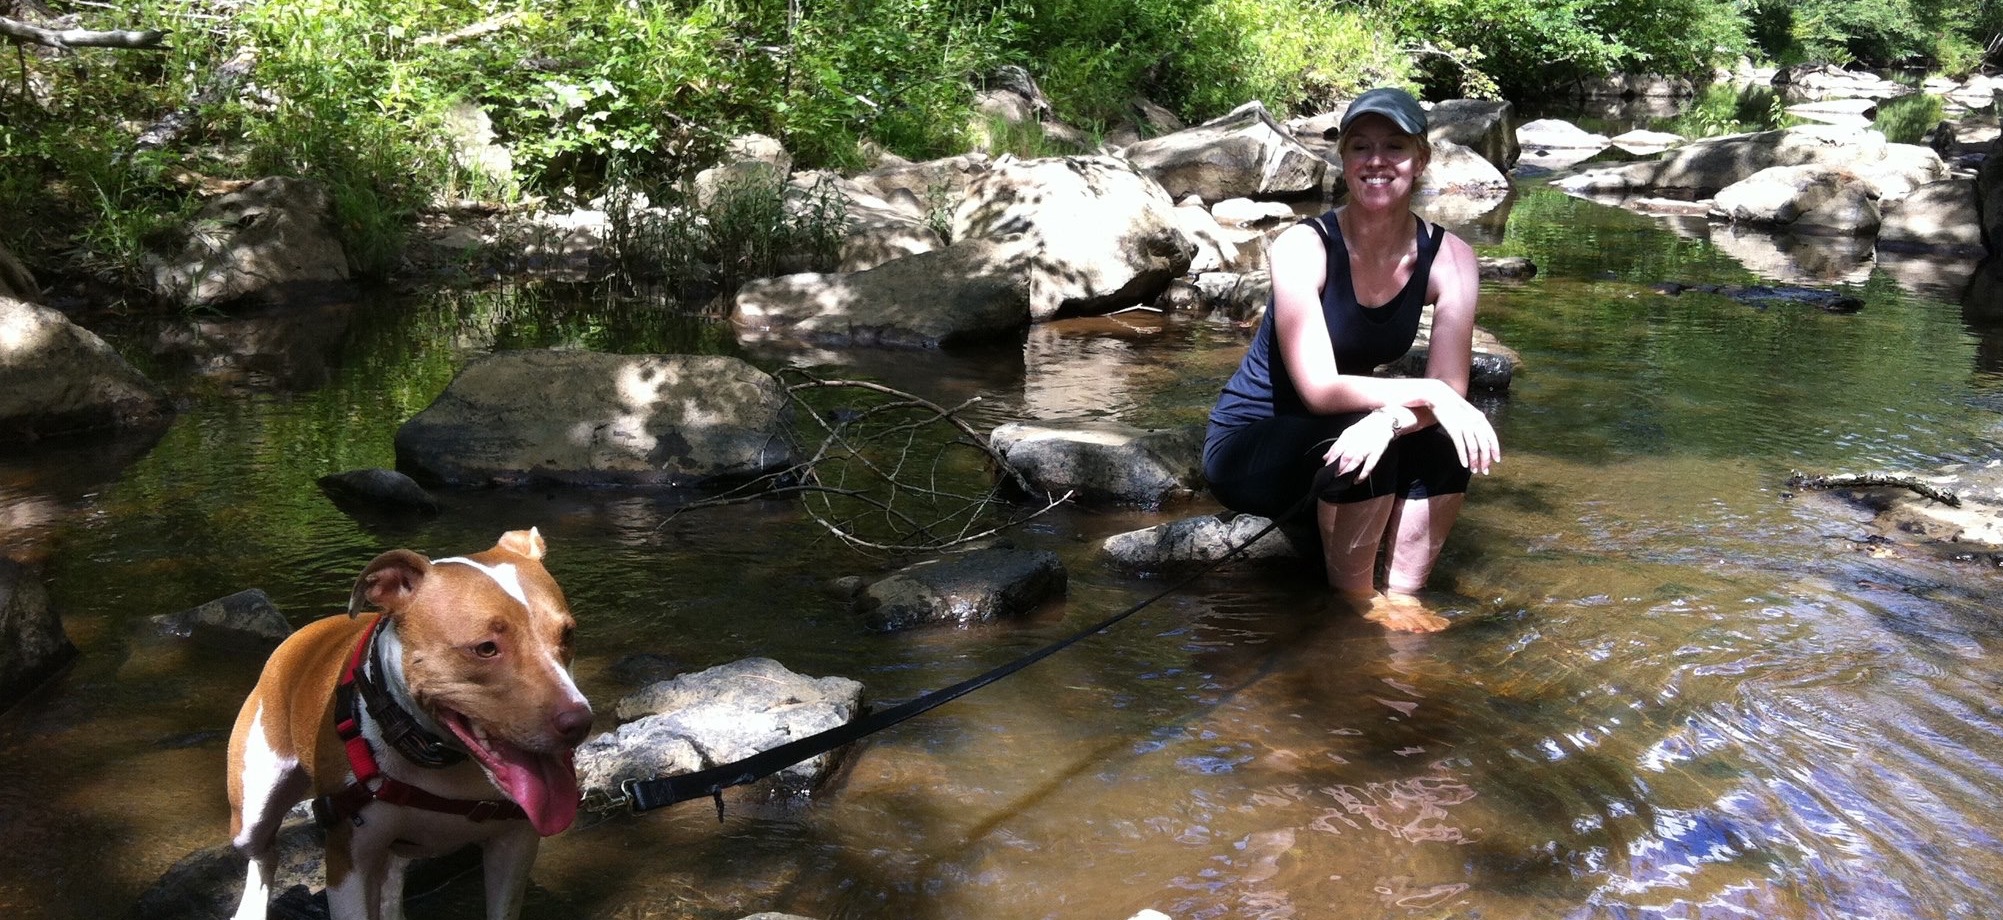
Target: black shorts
{"x":1266,"y":467}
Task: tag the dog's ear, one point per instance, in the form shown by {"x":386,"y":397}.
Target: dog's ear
{"x":389,"y":582}
{"x":524,"y":543}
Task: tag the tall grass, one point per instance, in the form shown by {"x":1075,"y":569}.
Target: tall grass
{"x":698,"y":248}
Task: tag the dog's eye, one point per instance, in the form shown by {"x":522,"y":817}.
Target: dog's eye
{"x":487,"y":649}
{"x":568,"y":632}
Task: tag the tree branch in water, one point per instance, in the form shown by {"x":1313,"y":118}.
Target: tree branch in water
{"x":1801,"y":480}
{"x":881,"y":472}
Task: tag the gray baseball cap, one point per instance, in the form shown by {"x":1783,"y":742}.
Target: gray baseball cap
{"x":1390,"y":102}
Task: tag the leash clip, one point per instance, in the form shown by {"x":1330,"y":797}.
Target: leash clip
{"x":604,"y":800}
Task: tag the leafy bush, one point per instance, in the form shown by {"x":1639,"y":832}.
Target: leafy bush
{"x":1948,"y":34}
{"x":1295,"y":55}
{"x":1201,"y":58}
{"x":1529,"y":48}
{"x":1724,"y":109}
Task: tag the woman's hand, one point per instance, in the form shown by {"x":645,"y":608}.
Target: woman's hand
{"x":1361,"y":445}
{"x":1474,"y":438}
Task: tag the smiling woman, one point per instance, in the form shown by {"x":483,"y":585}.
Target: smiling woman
{"x":1388,"y":459}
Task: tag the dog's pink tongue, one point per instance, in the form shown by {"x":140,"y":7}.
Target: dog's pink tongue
{"x":545,"y":785}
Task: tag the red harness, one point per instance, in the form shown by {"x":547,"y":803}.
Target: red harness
{"x":370,"y":783}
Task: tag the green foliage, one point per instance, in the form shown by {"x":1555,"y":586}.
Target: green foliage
{"x":1296,"y":55}
{"x":1949,"y":35}
{"x":589,"y":94}
{"x":896,"y":71}
{"x":1526,"y":48}
{"x":1907,"y":119}
{"x":701,"y":244}
{"x":1723,"y":109}
{"x":1201,"y":57}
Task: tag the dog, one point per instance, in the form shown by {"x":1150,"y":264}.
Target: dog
{"x":449,"y":718}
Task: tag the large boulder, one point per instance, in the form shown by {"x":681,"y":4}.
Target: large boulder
{"x":934,"y":182}
{"x":1551,"y":143}
{"x":966,"y":293}
{"x":1813,"y":199}
{"x":271,"y":239}
{"x":881,"y":231}
{"x":1088,"y":235}
{"x":1700,"y":168}
{"x":717,"y":716}
{"x":1939,"y":216}
{"x":1989,"y":196}
{"x":1899,"y":170}
{"x":59,"y":378}
{"x":33,"y":645}
{"x":1815,"y":82}
{"x":1245,"y":154}
{"x":470,"y":140}
{"x":1456,"y":171}
{"x":582,"y":417}
{"x":1486,"y":127}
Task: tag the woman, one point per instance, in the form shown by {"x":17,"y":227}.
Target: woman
{"x":1388,"y":458}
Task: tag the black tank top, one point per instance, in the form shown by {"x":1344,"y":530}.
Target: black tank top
{"x":1363,"y":337}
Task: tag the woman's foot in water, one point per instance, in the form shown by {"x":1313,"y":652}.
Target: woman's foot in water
{"x":1403,"y":613}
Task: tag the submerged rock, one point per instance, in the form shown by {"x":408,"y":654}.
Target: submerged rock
{"x":964,"y":589}
{"x":380,"y":489}
{"x":1103,"y":460}
{"x":33,"y":645}
{"x":1210,"y":538}
{"x":246,"y":616}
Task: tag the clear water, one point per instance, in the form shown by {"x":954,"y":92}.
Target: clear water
{"x":1672,"y":688}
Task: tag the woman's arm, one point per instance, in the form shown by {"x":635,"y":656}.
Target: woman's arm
{"x":1298,"y":265}
{"x":1437,"y":398}
{"x":1454,"y":286}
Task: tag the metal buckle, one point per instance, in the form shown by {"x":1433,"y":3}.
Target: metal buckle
{"x":602,"y":800}
{"x":483,"y":810}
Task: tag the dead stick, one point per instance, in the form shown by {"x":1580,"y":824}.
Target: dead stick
{"x":1865,"y":480}
{"x":138,"y":39}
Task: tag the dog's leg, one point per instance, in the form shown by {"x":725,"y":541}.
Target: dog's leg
{"x":505,"y":862}
{"x":264,"y":786}
{"x":358,"y":863}
{"x":389,"y":891}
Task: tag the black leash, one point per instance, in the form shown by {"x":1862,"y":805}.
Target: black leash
{"x":646,"y":795}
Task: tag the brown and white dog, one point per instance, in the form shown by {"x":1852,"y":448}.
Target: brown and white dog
{"x":448,"y":719}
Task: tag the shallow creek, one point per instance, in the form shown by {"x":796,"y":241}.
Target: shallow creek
{"x":1671,"y":689}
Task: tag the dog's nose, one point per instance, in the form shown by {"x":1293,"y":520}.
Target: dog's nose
{"x":573,"y":723}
